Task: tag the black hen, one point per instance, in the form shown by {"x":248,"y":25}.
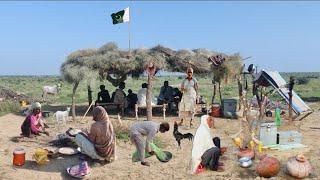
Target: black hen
{"x":179,"y":136}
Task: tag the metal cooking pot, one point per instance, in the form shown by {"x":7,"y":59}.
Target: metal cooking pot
{"x":245,"y":162}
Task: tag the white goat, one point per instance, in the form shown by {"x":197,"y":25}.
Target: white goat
{"x":50,"y":90}
{"x":62,"y":116}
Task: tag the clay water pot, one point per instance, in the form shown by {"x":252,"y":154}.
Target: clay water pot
{"x":298,"y":166}
{"x":215,"y":110}
{"x":246,"y":153}
{"x":268,"y":167}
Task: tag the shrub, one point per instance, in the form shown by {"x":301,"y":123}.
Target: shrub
{"x":302,"y":80}
{"x":9,"y":107}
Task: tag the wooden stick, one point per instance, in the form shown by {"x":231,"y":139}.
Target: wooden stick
{"x":87,"y":110}
{"x":314,"y":127}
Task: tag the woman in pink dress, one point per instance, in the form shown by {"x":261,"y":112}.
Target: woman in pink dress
{"x":33,"y":124}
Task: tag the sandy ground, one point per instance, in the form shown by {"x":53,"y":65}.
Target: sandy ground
{"x":124,"y":168}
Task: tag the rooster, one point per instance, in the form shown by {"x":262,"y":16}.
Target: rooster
{"x":179,"y":136}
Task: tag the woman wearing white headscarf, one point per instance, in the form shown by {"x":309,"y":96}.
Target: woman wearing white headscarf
{"x":204,"y":150}
{"x":189,"y":87}
{"x":33,"y":124}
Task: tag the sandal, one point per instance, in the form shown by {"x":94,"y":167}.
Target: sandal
{"x":145,"y":163}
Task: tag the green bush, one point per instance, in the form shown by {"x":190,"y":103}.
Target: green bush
{"x":9,"y":107}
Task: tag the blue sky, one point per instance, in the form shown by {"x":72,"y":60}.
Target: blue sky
{"x":36,"y":37}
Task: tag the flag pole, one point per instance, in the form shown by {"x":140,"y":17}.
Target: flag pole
{"x":129,"y":34}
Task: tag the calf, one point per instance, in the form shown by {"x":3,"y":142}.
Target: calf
{"x":51,"y":90}
{"x":62,"y":116}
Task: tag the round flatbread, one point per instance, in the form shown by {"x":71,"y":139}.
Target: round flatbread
{"x":68,"y":151}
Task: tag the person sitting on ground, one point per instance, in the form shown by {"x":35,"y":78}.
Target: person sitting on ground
{"x":103,"y":96}
{"x":132,"y":99}
{"x":34,"y":124}
{"x":142,"y":95}
{"x":210,"y":158}
{"x":120,"y":96}
{"x":201,"y":143}
{"x":149,"y":129}
{"x":166,"y":95}
{"x":100,"y":142}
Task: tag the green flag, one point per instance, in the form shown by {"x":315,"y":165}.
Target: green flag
{"x":121,"y":16}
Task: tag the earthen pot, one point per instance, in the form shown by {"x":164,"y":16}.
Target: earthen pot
{"x":268,"y":167}
{"x":246,"y":153}
{"x":298,"y":166}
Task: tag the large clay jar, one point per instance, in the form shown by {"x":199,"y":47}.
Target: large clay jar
{"x":246,"y":153}
{"x":299,"y":166}
{"x":268,"y":167}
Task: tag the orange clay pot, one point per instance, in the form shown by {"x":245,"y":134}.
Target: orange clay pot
{"x":268,"y":167}
{"x":246,"y":153}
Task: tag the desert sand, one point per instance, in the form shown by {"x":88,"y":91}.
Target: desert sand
{"x":124,"y":168}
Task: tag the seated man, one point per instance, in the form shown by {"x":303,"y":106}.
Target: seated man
{"x":177,"y":95}
{"x":132,"y":99}
{"x":103,"y":96}
{"x":166,"y":95}
{"x":205,"y":151}
{"x":100,"y":143}
{"x":33,"y":124}
{"x":142,"y":95}
{"x":119,"y":96}
{"x":148,"y":129}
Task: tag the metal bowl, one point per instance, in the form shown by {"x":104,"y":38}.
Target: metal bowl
{"x":245,"y":162}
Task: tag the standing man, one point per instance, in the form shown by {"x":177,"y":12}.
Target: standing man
{"x":148,"y":129}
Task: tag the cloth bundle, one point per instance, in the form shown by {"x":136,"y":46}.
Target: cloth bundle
{"x":216,"y":60}
{"x":79,"y":170}
{"x":163,"y":156}
{"x":41,"y":156}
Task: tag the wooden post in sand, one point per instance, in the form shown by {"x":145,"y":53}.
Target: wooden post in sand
{"x":291,"y":84}
{"x":151,"y":71}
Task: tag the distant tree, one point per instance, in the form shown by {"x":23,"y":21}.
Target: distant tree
{"x":74,"y":70}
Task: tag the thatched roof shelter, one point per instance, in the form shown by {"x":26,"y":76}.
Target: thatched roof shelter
{"x":113,"y":64}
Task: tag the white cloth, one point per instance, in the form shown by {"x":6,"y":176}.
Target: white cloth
{"x":142,"y":97}
{"x":202,"y":141}
{"x":87,"y":147}
{"x":189,"y":97}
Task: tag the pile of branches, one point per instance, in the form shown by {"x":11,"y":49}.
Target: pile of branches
{"x":8,"y":94}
